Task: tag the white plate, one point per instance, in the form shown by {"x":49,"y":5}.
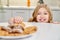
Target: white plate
{"x":23,"y":36}
{"x":15,"y":37}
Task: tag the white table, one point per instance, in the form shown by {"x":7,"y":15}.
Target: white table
{"x":46,"y":31}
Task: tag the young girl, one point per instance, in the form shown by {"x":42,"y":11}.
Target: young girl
{"x":41,"y":14}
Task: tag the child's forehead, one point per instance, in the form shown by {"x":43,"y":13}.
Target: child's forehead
{"x":42,"y":9}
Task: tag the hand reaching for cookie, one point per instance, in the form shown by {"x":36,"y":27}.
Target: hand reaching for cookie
{"x":17,"y":20}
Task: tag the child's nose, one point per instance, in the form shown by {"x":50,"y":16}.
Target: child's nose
{"x":42,"y":16}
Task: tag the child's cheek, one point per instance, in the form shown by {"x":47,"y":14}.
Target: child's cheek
{"x":37,"y":18}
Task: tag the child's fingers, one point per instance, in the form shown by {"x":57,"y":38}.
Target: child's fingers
{"x":18,"y":19}
{"x":56,"y":22}
{"x":15,"y":20}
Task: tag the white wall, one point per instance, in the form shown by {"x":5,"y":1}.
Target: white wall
{"x":33,"y":2}
{"x":19,"y":2}
{"x":52,"y":2}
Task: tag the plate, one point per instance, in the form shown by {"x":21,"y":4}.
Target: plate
{"x":13,"y":37}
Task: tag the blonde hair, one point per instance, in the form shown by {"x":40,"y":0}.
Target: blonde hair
{"x":35,"y":13}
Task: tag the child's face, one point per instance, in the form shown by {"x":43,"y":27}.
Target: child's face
{"x":43,"y":15}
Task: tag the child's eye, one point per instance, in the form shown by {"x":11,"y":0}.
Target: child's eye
{"x":45,"y":13}
{"x":39,"y":13}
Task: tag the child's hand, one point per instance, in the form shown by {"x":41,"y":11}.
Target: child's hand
{"x":15,"y":20}
{"x":56,"y":22}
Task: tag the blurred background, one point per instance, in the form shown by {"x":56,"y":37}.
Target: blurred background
{"x":32,"y":2}
{"x":25,"y":8}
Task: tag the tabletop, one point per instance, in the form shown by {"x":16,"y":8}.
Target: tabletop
{"x":45,"y":31}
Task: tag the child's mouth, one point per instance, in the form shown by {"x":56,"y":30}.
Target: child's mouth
{"x":42,"y":20}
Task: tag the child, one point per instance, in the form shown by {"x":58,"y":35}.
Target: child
{"x":41,"y":14}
